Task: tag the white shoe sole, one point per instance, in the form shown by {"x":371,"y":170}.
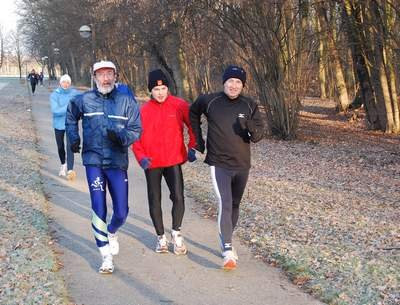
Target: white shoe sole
{"x":162,"y":250}
{"x":178,"y":251}
{"x":106,"y":271}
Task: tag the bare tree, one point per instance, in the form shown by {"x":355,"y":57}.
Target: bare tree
{"x":1,"y":46}
{"x":16,"y":51}
{"x":271,"y":38}
{"x":368,"y":27}
{"x":329,"y":31}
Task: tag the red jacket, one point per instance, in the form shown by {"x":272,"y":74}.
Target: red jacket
{"x":162,"y":138}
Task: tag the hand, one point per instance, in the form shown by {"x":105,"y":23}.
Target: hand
{"x":200,"y":147}
{"x":75,"y":147}
{"x":251,"y":126}
{"x":112,"y":135}
{"x":145,"y":163}
{"x":242,"y":120}
{"x":191,"y":155}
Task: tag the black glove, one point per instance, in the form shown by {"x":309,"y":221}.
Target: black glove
{"x":242,"y":120}
{"x":245,"y":123}
{"x":200,"y":147}
{"x":112,"y":135}
{"x":75,"y":147}
{"x":251,"y":126}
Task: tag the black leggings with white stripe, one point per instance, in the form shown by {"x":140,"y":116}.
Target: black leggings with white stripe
{"x":229,"y":187}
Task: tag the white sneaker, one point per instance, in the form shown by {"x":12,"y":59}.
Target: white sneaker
{"x":71,"y":174}
{"x":177,"y":240}
{"x":63,"y":170}
{"x":229,"y":260}
{"x":162,"y":244}
{"x":235,"y":255}
{"x":107,"y":266}
{"x":114,"y":244}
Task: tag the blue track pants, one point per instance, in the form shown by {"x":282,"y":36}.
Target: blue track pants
{"x":117,"y":182}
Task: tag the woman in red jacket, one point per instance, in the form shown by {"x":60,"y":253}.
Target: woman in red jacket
{"x":161,"y":151}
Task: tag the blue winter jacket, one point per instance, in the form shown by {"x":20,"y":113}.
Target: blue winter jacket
{"x":115,"y":111}
{"x":59,"y":100}
{"x":124,"y":88}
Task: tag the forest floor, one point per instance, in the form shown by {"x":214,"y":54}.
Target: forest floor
{"x":325,"y":207}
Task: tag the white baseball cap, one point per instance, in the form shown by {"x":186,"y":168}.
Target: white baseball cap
{"x":103,"y":64}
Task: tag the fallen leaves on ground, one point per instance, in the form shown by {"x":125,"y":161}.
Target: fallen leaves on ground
{"x":27,"y":261}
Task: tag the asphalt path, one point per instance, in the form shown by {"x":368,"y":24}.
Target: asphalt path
{"x":142,"y":276}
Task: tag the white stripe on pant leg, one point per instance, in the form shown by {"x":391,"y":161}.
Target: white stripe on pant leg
{"x":216,"y":189}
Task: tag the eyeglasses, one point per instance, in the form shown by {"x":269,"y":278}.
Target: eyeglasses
{"x":105,"y":74}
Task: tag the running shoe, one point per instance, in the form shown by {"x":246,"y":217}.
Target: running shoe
{"x":114,"y":244}
{"x":107,"y":266}
{"x":63,"y":170}
{"x":71,"y":174}
{"x":162,"y":244}
{"x":179,"y":245}
{"x":229,"y":260}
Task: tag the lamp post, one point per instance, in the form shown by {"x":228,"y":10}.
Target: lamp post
{"x":87,"y":31}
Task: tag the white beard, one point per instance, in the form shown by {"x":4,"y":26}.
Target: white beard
{"x":105,"y":90}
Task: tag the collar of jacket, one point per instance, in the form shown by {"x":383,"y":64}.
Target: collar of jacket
{"x":153,"y":100}
{"x":231,"y":99}
{"x":63,"y":91}
{"x":108,"y":95}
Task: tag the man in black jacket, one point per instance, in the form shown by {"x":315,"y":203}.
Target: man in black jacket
{"x":233,"y":121}
{"x":33,"y":78}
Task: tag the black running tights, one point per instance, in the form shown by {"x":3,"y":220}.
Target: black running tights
{"x":174,"y":179}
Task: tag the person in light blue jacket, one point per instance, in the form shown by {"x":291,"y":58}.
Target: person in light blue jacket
{"x":59,"y":100}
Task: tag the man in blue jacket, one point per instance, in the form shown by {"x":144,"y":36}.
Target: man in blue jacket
{"x":110,"y":123}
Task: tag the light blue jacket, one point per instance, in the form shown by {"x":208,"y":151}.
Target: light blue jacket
{"x":59,"y":100}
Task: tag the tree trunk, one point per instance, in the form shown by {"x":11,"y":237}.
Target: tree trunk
{"x":73,"y":64}
{"x":321,"y":64}
{"x":394,"y":98}
{"x":344,"y":101}
{"x":176,"y":63}
{"x":354,"y":31}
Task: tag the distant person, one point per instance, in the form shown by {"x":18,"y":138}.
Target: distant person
{"x":59,"y":100}
{"x":161,"y":151}
{"x":33,"y":78}
{"x":233,"y":121}
{"x":41,"y":76}
{"x":110,"y":124}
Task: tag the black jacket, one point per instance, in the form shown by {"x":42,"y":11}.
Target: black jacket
{"x":33,"y":78}
{"x":228,"y":144}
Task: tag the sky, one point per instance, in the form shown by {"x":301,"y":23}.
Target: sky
{"x":8,"y":18}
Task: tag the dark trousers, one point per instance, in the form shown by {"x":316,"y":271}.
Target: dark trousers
{"x":33,"y":85}
{"x":229,"y":187}
{"x":61,"y":149}
{"x":174,"y":179}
